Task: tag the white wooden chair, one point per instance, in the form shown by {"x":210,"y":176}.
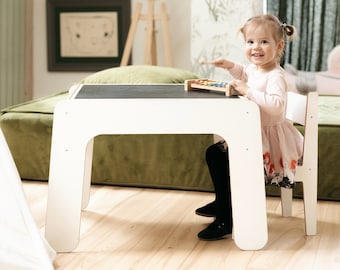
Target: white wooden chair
{"x":303,"y":109}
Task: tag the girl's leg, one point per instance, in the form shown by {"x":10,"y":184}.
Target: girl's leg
{"x":218,"y":164}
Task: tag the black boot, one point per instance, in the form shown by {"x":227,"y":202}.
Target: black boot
{"x":218,"y":164}
{"x":216,"y":231}
{"x":208,"y":210}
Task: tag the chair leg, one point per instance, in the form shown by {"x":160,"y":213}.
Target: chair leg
{"x":286,"y":201}
{"x":310,"y":205}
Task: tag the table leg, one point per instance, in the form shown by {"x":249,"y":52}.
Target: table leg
{"x":66,"y":182}
{"x":87,"y":174}
{"x":248,"y":191}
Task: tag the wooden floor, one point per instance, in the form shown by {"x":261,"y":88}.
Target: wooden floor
{"x":132,"y":228}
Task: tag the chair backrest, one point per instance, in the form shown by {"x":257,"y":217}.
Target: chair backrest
{"x":296,"y":108}
{"x":303,"y":109}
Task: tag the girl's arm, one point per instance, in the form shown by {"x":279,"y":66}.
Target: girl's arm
{"x":272,"y":100}
{"x":223,"y":63}
{"x":236,"y":70}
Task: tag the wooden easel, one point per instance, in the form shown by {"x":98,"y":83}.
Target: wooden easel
{"x":150,"y":55}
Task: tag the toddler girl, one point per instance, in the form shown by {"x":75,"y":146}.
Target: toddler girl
{"x":263,"y":82}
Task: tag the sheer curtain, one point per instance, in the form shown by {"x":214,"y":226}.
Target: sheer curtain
{"x":318,"y":30}
{"x":15,"y":51}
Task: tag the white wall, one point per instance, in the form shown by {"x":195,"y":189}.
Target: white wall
{"x":179,"y":32}
{"x":216,"y":33}
{"x":45,"y":83}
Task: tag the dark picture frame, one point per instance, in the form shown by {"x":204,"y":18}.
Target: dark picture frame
{"x":86,"y":35}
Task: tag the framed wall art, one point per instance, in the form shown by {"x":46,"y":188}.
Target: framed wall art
{"x":87,"y":35}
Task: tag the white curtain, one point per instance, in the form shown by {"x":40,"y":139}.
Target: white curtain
{"x":12,"y":50}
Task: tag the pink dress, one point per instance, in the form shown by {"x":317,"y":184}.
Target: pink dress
{"x":282,"y":143}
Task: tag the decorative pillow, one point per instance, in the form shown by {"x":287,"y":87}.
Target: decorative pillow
{"x":325,"y":82}
{"x":334,"y":61}
{"x":137,"y":74}
{"x":300,"y":81}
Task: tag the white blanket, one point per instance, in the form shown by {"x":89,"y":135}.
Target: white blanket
{"x":22,"y":246}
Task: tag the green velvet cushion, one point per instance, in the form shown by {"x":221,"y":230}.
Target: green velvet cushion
{"x":140,"y":74}
{"x":42,"y":105}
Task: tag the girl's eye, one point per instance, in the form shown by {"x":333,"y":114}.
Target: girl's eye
{"x":264,"y":41}
{"x":250,"y":42}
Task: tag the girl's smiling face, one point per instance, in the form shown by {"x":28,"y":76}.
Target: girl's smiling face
{"x":261,"y":47}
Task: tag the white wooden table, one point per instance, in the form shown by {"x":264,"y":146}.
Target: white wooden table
{"x":163,"y":109}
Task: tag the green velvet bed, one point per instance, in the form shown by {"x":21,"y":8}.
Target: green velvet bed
{"x":169,"y":161}
{"x":162,"y":161}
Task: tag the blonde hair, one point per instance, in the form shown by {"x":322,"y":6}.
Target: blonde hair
{"x":280,"y":31}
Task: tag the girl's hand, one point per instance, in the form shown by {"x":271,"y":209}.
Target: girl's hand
{"x":240,"y":86}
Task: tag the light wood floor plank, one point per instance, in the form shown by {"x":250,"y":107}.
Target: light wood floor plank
{"x":136,"y":228}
